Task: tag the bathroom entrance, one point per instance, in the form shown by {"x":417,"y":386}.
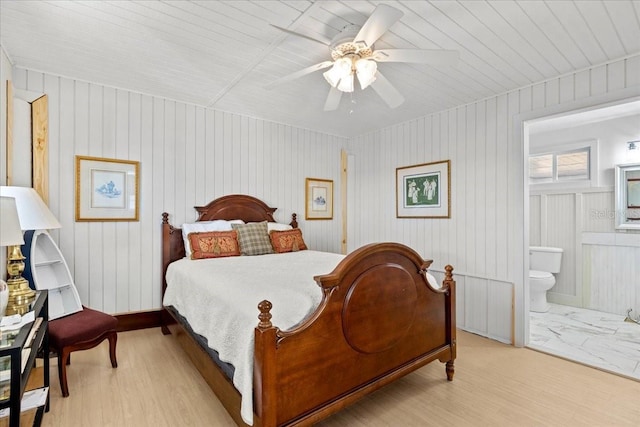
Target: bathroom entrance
{"x":570,"y":168}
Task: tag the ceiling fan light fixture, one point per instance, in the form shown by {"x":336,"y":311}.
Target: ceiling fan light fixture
{"x":366,"y":71}
{"x":353,"y":55}
{"x":346,"y":84}
{"x":341,"y":69}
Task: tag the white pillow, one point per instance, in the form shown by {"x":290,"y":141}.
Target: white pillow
{"x":204,"y":226}
{"x":278,"y":227}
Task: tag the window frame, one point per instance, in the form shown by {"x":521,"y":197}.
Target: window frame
{"x":590,"y":146}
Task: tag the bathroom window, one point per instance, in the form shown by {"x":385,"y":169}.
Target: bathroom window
{"x":541,"y":169}
{"x":562,"y":166}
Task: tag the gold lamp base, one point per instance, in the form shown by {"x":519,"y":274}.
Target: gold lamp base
{"x":20,"y":297}
{"x":20,"y":294}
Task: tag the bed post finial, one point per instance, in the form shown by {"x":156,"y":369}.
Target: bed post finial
{"x":265,"y":315}
{"x":165,"y":218}
{"x":448,"y":275}
{"x":294,"y":221}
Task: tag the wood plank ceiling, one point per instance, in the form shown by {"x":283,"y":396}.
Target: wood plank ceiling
{"x":222,"y":54}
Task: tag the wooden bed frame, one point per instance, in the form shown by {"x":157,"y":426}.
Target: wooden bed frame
{"x":379,"y":320}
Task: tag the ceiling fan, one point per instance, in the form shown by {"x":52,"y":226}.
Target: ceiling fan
{"x":353,"y":56}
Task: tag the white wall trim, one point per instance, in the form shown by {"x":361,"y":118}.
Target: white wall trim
{"x":539,"y":192}
{"x":611,"y":239}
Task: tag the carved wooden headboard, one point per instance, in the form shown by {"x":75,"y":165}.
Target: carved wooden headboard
{"x":234,"y":206}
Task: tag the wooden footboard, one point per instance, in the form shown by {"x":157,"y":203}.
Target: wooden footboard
{"x":379,"y":320}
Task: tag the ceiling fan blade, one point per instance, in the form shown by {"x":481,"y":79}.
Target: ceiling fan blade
{"x":333,"y":99}
{"x":387,"y":91}
{"x":420,"y":56}
{"x":382,"y":18}
{"x":299,"y":74}
{"x":325,"y":42}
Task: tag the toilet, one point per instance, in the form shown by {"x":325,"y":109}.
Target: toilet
{"x":543,"y":262}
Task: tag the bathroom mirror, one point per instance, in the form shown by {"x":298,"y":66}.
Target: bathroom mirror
{"x":628,"y":196}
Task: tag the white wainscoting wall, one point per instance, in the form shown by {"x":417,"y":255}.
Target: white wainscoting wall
{"x":188,"y":156}
{"x":556,"y":221}
{"x":600,"y":266}
{"x":612,"y":272}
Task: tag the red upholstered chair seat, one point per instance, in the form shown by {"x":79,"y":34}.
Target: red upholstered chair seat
{"x":81,"y":331}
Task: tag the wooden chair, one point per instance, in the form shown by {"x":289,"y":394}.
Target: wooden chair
{"x":81,"y":331}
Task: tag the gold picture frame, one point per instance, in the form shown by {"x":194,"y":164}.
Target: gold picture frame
{"x":424,"y":190}
{"x":319,"y":199}
{"x":106,"y":189}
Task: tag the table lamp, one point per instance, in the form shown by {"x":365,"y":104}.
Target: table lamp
{"x":33,"y":214}
{"x":10,"y":235}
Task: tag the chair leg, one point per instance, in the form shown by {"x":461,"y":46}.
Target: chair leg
{"x":113,"y":338}
{"x":63,"y":358}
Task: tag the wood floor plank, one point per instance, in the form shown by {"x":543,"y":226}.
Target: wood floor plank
{"x":494,"y":384}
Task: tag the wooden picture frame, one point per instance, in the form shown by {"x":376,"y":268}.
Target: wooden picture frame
{"x":318,"y":199}
{"x":424,"y":190}
{"x":106,"y":189}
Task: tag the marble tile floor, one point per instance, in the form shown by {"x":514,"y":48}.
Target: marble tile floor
{"x":602,"y":340}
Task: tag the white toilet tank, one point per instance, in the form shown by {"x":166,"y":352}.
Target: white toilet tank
{"x":544,"y":258}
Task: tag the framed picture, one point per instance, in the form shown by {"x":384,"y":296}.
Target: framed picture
{"x":106,"y":189}
{"x":424,"y":191}
{"x":319,"y":199}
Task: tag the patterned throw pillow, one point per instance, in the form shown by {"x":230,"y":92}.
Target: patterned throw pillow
{"x":214,"y":244}
{"x":253,"y":238}
{"x":287,"y":241}
{"x":201,"y":227}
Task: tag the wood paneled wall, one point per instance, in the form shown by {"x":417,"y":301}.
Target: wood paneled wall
{"x":611,"y":275}
{"x":483,"y":239}
{"x":188,"y":156}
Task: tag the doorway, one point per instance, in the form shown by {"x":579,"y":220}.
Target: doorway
{"x":592,"y":293}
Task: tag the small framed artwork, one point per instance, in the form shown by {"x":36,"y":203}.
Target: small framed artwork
{"x":319,"y":199}
{"x":424,"y":191}
{"x":106,"y":189}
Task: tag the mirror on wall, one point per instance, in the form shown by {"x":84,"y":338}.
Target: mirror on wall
{"x":628,"y":196}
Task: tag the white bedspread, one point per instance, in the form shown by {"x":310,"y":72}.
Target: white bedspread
{"x":219,"y":298}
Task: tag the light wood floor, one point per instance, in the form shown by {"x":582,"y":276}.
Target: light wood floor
{"x":494,"y":385}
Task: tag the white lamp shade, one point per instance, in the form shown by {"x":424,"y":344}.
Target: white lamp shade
{"x":366,"y":70}
{"x":10,"y":231}
{"x":341,"y":68}
{"x":33,"y":213}
{"x":346,"y":84}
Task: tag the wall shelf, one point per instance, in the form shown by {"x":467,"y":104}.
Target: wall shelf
{"x":46,"y":268}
